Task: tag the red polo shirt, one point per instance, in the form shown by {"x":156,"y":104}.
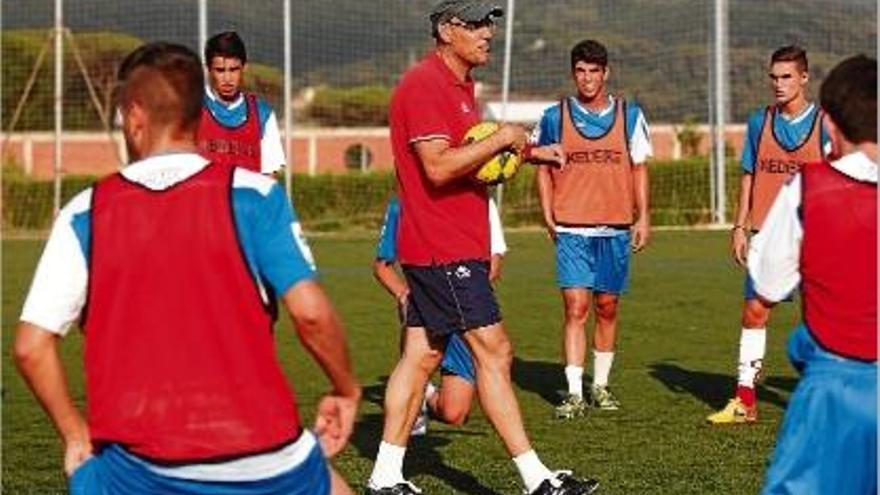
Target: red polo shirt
{"x":446,"y":223}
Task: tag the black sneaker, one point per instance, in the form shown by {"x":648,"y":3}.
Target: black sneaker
{"x":403,"y":488}
{"x":563,"y":483}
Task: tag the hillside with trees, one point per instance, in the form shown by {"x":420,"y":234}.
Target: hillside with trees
{"x":660,"y":50}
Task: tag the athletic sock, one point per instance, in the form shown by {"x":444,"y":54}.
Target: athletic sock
{"x":430,"y":390}
{"x":575,"y":377}
{"x":532,"y":470}
{"x":746,"y":395}
{"x":752,"y":345}
{"x":602,"y":362}
{"x":388,"y":469}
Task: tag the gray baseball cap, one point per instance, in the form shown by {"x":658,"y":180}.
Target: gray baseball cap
{"x":465,"y":10}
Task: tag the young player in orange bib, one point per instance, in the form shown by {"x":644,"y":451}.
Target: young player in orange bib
{"x":596,"y":211}
{"x":779,"y":140}
{"x":828,"y":441}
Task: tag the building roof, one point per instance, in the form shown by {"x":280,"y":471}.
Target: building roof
{"x":525,"y":112}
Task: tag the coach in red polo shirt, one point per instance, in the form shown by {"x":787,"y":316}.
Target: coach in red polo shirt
{"x":444,"y":247}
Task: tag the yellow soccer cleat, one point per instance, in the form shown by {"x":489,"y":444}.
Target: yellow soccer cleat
{"x":735,"y":412}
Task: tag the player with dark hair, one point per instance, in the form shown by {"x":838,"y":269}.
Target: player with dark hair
{"x":596,"y":211}
{"x":828,"y":440}
{"x":779,"y":140}
{"x":237,"y":128}
{"x":172,"y":265}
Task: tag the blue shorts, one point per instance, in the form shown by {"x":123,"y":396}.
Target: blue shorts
{"x":457,"y":360}
{"x":600,"y":264}
{"x":114,"y":471}
{"x":749,"y":292}
{"x":450,"y":298}
{"x":828,"y":440}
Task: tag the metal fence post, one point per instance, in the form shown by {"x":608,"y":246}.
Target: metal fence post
{"x":505,"y":83}
{"x":59,"y":94}
{"x":720,"y":86}
{"x":203,"y":27}
{"x":288,"y":117}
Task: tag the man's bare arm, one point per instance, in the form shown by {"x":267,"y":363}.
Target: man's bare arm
{"x":390,"y":280}
{"x":321,"y":333}
{"x":444,"y":163}
{"x":545,"y":193}
{"x":739,"y":240}
{"x":37,"y":359}
{"x":642,"y":227}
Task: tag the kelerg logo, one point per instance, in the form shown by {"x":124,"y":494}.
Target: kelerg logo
{"x":595,"y":157}
{"x":773,"y":166}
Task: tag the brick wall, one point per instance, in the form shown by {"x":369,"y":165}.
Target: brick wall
{"x":314,"y":150}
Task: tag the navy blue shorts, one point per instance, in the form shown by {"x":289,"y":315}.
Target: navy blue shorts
{"x":450,"y":298}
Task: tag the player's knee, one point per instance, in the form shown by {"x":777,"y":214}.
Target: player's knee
{"x":498,"y":357}
{"x":505,"y":351}
{"x":431,"y":360}
{"x":426,"y":360}
{"x":755,"y":315}
{"x":607,"y":309}
{"x":577,"y":312}
{"x":456,"y":416}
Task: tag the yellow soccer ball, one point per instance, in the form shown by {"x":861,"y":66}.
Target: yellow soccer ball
{"x":500,"y":167}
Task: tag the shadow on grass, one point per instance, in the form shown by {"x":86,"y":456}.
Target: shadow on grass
{"x":542,"y":378}
{"x":423,"y":453}
{"x":715,"y":389}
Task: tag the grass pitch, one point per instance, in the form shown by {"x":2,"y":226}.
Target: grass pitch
{"x":679,"y":333}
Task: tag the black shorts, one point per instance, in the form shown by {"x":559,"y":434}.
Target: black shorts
{"x":449,"y":298}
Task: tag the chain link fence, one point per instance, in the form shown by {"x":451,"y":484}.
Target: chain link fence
{"x":346,"y":57}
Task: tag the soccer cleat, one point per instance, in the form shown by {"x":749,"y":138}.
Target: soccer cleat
{"x":573,"y":406}
{"x":602,"y":398}
{"x":402,"y":488}
{"x":563,"y":483}
{"x":735,"y":412}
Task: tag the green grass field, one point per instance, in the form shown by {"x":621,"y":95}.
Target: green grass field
{"x":676,"y":357}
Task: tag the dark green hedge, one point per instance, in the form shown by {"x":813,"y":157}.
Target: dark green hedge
{"x":679,"y":196}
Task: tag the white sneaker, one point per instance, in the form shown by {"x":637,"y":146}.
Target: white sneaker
{"x":402,"y":488}
{"x":420,"y":426}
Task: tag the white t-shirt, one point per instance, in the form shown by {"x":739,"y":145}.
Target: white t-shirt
{"x":775,"y":253}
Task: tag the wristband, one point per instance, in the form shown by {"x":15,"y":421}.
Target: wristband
{"x":738,"y":227}
{"x":526,"y":152}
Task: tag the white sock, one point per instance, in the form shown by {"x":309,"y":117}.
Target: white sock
{"x":532,"y":470}
{"x":752,"y":344}
{"x":388,"y":469}
{"x":575,"y":377}
{"x":430,"y":390}
{"x":602,"y":362}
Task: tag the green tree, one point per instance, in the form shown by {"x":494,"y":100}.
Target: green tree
{"x":357,"y":106}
